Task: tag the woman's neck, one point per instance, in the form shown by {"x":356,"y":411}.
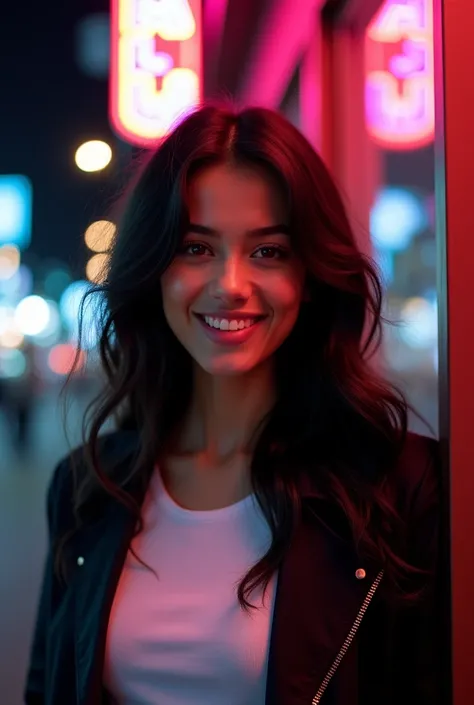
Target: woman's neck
{"x":225,"y":412}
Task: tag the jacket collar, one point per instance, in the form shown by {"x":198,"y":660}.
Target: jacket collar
{"x":318,"y":598}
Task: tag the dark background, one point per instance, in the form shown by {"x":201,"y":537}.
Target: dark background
{"x":48,"y":107}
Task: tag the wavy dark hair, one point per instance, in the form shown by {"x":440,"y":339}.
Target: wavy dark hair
{"x":334,"y":415}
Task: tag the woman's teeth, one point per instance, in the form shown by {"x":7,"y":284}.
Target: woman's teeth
{"x":229,"y":324}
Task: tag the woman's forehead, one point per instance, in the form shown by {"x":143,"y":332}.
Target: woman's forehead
{"x":230,"y":194}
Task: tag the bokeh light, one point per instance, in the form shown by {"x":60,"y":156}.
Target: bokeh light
{"x":93,"y":155}
{"x":51,"y":333}
{"x":70,"y":300}
{"x":396,"y":217}
{"x":7,"y":317}
{"x":16,"y":209}
{"x":70,"y":307}
{"x":11,"y":337}
{"x":93,"y":44}
{"x":18,"y":286}
{"x":9,"y":261}
{"x":12,"y":363}
{"x":385,"y":264}
{"x":62,"y":357}
{"x":55,"y":282}
{"x":100,"y":235}
{"x":419,"y":327}
{"x":96,"y":268}
{"x":32,"y":315}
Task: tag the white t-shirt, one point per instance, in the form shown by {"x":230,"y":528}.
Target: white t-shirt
{"x":183,"y":639}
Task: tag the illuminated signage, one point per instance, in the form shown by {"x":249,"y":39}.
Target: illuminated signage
{"x":400,"y":75}
{"x":155,"y":66}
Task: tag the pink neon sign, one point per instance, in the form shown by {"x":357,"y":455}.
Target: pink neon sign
{"x":155,"y":66}
{"x":399,"y":87}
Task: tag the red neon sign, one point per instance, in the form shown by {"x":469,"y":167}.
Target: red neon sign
{"x":400,"y":75}
{"x":155,"y":66}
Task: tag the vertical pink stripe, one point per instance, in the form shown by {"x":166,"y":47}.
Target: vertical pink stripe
{"x":284,"y":35}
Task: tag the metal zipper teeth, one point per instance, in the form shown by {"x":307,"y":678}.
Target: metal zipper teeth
{"x":348,"y":640}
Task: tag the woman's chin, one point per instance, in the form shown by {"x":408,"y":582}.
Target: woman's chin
{"x":225,"y":367}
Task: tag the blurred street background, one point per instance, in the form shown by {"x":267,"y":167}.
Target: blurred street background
{"x":24,"y":473}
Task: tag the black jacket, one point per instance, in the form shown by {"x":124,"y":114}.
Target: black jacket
{"x":335,"y":639}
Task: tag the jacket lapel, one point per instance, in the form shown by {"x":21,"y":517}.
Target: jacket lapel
{"x":100,"y":554}
{"x":103,"y":550}
{"x":318,"y":600}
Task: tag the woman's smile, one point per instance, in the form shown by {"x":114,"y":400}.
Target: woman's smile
{"x":229,"y":331}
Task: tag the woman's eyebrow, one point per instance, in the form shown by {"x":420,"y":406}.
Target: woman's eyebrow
{"x":279,"y":229}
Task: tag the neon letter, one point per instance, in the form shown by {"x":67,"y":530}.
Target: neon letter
{"x":156,"y":66}
{"x":400,"y":92}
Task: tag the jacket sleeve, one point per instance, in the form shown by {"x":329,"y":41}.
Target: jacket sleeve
{"x":422,"y":664}
{"x":34,"y":691}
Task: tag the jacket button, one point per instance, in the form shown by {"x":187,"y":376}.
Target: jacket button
{"x":360,"y":574}
{"x":80,"y":560}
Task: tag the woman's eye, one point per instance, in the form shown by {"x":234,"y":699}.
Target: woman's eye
{"x":194,"y":248}
{"x":270,"y":252}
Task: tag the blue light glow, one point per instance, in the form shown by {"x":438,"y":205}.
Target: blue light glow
{"x":70,"y":307}
{"x":420,"y":323}
{"x":396,"y":217}
{"x":384,"y":261}
{"x":12,"y":363}
{"x":71,"y":298}
{"x":16,"y":200}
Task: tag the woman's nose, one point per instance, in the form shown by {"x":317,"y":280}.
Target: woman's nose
{"x":232,"y":282}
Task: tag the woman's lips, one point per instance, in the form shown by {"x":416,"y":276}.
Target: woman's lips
{"x":229,"y":337}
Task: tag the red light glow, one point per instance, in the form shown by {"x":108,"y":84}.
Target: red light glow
{"x":62,"y":357}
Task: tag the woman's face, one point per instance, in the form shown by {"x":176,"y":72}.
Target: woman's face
{"x":232,"y":294}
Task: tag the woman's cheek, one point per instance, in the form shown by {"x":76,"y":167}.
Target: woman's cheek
{"x":181,"y":285}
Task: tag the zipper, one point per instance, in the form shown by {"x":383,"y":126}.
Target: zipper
{"x":348,"y":640}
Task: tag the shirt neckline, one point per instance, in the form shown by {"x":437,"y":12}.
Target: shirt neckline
{"x":167,"y":502}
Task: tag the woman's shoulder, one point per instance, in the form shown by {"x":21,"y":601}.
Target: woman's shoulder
{"x":416,"y":479}
{"x":420,"y":455}
{"x":417,"y":465}
{"x":113,"y":448}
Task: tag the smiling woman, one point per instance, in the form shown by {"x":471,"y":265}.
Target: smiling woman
{"x":240,"y":282}
{"x":260,"y":528}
